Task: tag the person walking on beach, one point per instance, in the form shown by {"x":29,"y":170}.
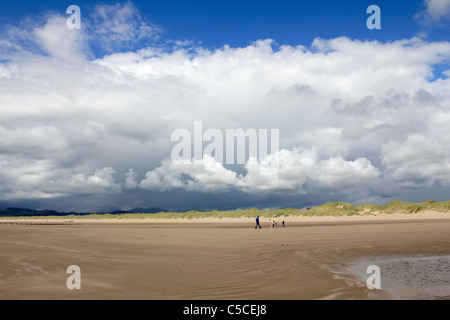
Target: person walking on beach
{"x":273,"y":222}
{"x":257,"y":223}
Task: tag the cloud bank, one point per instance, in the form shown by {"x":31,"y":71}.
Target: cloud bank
{"x":89,"y":114}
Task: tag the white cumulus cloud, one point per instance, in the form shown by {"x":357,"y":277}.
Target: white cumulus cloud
{"x":352,"y":115}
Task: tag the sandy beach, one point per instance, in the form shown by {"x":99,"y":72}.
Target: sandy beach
{"x":211,"y":258}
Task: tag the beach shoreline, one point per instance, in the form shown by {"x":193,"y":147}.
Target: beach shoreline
{"x":208,"y":258}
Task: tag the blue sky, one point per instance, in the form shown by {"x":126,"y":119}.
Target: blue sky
{"x":87,"y":116}
{"x":238,"y":23}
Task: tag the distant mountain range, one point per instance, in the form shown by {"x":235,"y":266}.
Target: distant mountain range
{"x":25,"y":212}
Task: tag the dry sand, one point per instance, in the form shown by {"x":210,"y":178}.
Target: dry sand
{"x":206,"y":259}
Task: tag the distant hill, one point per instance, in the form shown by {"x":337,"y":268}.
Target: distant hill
{"x":26,"y":212}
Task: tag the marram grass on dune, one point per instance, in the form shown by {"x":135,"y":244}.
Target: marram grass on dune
{"x":326,"y":209}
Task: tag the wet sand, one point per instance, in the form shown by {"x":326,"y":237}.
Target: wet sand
{"x":205,"y":260}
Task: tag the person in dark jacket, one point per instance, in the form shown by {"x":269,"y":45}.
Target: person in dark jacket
{"x":257,"y":223}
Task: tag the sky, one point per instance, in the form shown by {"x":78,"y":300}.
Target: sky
{"x":88,"y":115}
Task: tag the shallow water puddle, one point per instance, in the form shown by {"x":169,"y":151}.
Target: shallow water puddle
{"x":401,"y":276}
